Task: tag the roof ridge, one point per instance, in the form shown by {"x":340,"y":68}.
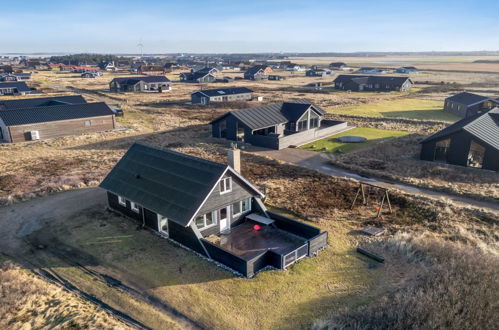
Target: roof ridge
{"x":178,"y":153}
{"x":52,"y":106}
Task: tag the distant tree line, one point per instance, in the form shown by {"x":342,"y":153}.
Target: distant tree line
{"x":88,"y":59}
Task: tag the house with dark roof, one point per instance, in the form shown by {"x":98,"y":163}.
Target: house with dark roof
{"x":359,"y":83}
{"x":207,"y":207}
{"x":407,"y":70}
{"x":472,"y":141}
{"x":154,"y":70}
{"x":338,"y":66}
{"x":318,"y":72}
{"x":15,"y":76}
{"x":140,"y":84}
{"x":51,"y":121}
{"x":258,"y":72}
{"x":41,"y":102}
{"x":198,"y":77}
{"x":468,"y":104}
{"x":14,"y":88}
{"x":206,"y":69}
{"x":276,"y":125}
{"x":233,"y":94}
{"x":369,"y":70}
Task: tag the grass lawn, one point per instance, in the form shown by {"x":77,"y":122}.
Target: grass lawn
{"x":399,"y":108}
{"x":373,"y":136}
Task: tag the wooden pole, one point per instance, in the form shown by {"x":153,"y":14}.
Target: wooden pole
{"x":381,"y":206}
{"x":388,"y":201}
{"x":355,"y":199}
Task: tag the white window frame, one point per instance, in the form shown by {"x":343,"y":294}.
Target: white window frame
{"x":224,"y":183}
{"x":135,"y":207}
{"x":122,"y":201}
{"x":214,"y":214}
{"x":242,"y":210}
{"x":249,"y":205}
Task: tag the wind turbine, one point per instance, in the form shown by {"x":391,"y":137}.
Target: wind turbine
{"x":141,"y":46}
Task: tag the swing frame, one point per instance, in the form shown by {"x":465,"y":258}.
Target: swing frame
{"x":365,"y":202}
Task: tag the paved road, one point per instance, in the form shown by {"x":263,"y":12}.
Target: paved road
{"x":319,"y":162}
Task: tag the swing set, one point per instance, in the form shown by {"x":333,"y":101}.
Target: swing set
{"x":369,"y":190}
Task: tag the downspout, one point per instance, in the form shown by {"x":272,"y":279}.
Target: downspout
{"x":143,"y":217}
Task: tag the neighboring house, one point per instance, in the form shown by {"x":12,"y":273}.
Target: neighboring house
{"x":197,"y":77}
{"x":373,"y":83}
{"x":108,"y":66}
{"x":44,"y":122}
{"x":472,"y":141}
{"x":468,"y":104}
{"x":338,"y":66}
{"x":168,"y":67}
{"x":294,"y":67}
{"x":41,"y":102}
{"x":91,"y":74}
{"x":277,"y":125}
{"x":276,"y":77}
{"x":407,"y":70}
{"x":222,"y":95}
{"x":367,"y":70}
{"x":258,"y":72}
{"x":318,"y":73}
{"x":154,"y":70}
{"x":207,"y":207}
{"x":6,"y":69}
{"x":140,"y":84}
{"x":205,"y":69}
{"x":14,"y":88}
{"x":15,"y":76}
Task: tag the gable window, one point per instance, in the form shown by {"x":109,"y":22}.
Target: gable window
{"x":121,"y":200}
{"x":225,"y":185}
{"x":207,"y":220}
{"x":314,"y":120}
{"x":476,"y":155}
{"x":134,"y":207}
{"x":302,"y":125}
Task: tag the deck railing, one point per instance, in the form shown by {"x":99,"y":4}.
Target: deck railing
{"x":294,"y":256}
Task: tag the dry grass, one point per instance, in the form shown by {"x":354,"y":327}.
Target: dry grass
{"x":27,"y":302}
{"x":452,"y":287}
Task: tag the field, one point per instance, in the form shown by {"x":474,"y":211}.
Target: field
{"x":409,"y":108}
{"x":160,"y":285}
{"x":333,"y":145}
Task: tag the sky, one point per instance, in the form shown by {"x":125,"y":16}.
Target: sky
{"x":221,"y":26}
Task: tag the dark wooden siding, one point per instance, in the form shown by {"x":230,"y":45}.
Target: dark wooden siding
{"x":61,"y":128}
{"x":317,"y":243}
{"x":113,"y":203}
{"x":293,"y":226}
{"x":185,"y":236}
{"x":226,"y":258}
{"x":428,"y":151}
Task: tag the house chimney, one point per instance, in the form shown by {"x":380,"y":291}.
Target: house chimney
{"x":234,"y":158}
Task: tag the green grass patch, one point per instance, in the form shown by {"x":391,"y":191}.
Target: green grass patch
{"x":409,"y":108}
{"x":373,"y":136}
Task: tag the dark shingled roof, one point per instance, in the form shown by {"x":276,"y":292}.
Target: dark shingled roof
{"x":20,"y":85}
{"x":195,"y":75}
{"x":484,"y":127}
{"x":393,"y":80}
{"x":169,"y":183}
{"x":40,"y":101}
{"x":135,"y":80}
{"x":272,"y":114}
{"x":468,"y":98}
{"x":54,"y":113}
{"x":225,"y":91}
{"x":253,"y":70}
